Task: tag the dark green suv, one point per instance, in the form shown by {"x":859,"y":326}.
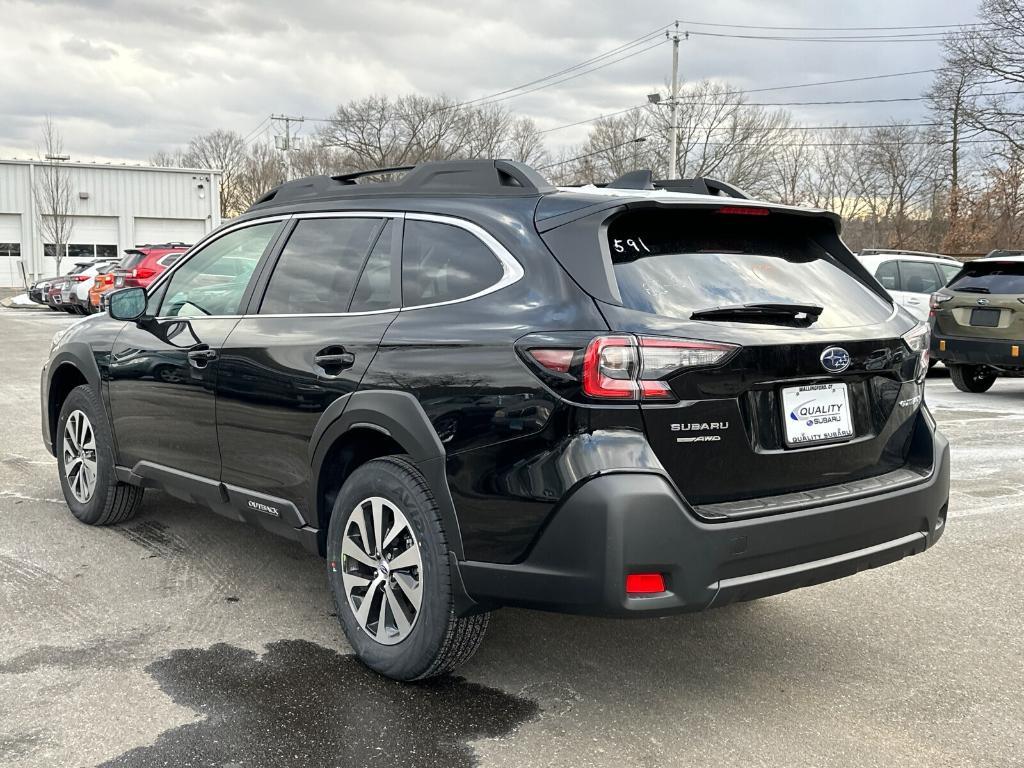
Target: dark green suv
{"x":977,"y":323}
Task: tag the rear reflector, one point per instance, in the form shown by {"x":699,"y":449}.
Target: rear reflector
{"x":738,"y":210}
{"x":644,"y":583}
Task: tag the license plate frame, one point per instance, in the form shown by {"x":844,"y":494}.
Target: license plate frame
{"x":987,"y":312}
{"x":800,"y":432}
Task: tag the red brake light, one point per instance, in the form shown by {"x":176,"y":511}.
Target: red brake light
{"x":79,"y":278}
{"x":557,"y":360}
{"x":627,"y":367}
{"x":742,"y":210}
{"x":644,"y":583}
{"x":143,"y":273}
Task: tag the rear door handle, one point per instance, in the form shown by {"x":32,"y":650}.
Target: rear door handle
{"x":334,"y":360}
{"x":200,"y":355}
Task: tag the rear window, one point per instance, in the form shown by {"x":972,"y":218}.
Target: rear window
{"x":998,"y":277}
{"x":676,"y":263}
{"x":131,"y":259}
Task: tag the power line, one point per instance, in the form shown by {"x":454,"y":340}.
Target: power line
{"x":637,"y":140}
{"x":571,"y":77}
{"x":832,"y":29}
{"x":845,"y":80}
{"x":910,"y":38}
{"x":625,"y":46}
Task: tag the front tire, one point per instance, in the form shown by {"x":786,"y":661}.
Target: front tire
{"x":85,"y":462}
{"x":388,"y":568}
{"x":972,"y":378}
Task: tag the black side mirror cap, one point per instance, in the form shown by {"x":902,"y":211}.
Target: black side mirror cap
{"x":127,"y":303}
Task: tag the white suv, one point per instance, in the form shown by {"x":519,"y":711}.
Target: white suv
{"x":910,"y":277}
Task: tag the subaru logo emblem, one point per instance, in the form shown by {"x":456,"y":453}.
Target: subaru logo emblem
{"x":835,"y":359}
{"x":983,"y":302}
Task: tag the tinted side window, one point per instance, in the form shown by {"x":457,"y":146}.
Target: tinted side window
{"x":213,"y":280}
{"x":375,"y":289}
{"x":948,"y":271}
{"x":441,"y":262}
{"x":319,"y":266}
{"x":918,"y":277}
{"x":888,"y":274}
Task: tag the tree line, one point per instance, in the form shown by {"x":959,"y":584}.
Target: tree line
{"x":952,"y":181}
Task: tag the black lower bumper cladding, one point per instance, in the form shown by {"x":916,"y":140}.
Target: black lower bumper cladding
{"x":618,"y":524}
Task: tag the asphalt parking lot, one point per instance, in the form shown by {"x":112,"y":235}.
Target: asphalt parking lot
{"x":181,"y":638}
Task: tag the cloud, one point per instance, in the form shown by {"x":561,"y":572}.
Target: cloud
{"x":95,"y":51}
{"x":125,"y":78}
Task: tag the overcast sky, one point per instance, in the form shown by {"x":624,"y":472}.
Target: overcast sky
{"x":125,"y":78}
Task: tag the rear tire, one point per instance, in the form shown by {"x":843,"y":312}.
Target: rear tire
{"x":85,"y":462}
{"x":972,"y":378}
{"x":428,"y":639}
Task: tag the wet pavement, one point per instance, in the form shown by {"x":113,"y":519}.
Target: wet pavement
{"x":183,"y":639}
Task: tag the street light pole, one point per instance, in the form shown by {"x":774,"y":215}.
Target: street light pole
{"x":674,"y":141}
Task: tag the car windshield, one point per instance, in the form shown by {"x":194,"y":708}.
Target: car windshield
{"x":677,"y":263}
{"x":990,"y":277}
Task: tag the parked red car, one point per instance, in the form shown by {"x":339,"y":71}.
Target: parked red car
{"x":143,"y":263}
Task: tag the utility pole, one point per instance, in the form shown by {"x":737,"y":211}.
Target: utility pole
{"x":286,"y":143}
{"x":674,"y":141}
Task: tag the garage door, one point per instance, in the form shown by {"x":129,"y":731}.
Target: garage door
{"x":90,"y":235}
{"x":152,"y":231}
{"x":10,"y":250}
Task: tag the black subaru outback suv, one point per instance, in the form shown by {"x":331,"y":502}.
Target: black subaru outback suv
{"x":468,"y":389}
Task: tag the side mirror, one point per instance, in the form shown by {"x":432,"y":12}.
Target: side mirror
{"x":127,"y":303}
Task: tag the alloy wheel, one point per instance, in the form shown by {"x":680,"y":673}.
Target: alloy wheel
{"x":382,"y":570}
{"x":80,"y":456}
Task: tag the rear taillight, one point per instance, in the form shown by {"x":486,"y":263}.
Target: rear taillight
{"x":79,"y":278}
{"x":143,"y":273}
{"x":618,"y":367}
{"x":936,"y":300}
{"x":917,"y":340}
{"x":635,"y":368}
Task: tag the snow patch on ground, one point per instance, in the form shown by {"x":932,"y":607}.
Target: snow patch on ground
{"x":22,"y":300}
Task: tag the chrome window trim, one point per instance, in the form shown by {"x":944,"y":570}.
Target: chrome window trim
{"x":512,"y":270}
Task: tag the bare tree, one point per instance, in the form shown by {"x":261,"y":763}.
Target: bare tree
{"x":525,"y":143}
{"x":55,"y":197}
{"x":167,"y":158}
{"x":261,"y":170}
{"x":993,"y":52}
{"x":224,"y":151}
{"x":380,"y":132}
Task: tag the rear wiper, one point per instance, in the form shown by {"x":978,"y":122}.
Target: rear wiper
{"x":973,"y":289}
{"x":804,"y":313}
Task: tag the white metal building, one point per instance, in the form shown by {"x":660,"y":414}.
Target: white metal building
{"x":115,"y":207}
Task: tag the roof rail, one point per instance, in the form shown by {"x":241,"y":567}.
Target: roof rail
{"x":644,"y":179}
{"x":451,"y":177}
{"x":899,"y":252}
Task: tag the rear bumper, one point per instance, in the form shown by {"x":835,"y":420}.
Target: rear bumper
{"x":959,"y":350}
{"x":624,"y":523}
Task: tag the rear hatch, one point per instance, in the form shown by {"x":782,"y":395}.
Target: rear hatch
{"x":985,"y":301}
{"x":815,"y":386}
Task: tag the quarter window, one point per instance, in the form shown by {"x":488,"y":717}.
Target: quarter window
{"x":319,"y":266}
{"x":888,"y":274}
{"x":213,"y":281}
{"x":442,"y":262}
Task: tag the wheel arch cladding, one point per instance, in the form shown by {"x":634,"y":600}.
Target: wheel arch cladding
{"x":370,"y":424}
{"x":67,"y":372}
